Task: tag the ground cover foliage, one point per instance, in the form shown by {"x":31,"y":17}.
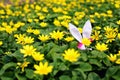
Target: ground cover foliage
{"x":36,"y":44}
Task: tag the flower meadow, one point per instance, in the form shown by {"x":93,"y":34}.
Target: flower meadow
{"x":36,"y":43}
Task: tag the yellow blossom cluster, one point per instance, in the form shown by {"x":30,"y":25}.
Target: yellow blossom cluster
{"x":115,"y":58}
{"x":23,"y":39}
{"x":110,"y":33}
{"x":71,"y":55}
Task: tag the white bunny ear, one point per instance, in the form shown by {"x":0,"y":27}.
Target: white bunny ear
{"x":75,"y":32}
{"x":87,"y":29}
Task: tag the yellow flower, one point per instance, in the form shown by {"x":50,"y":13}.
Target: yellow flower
{"x":2,"y":11}
{"x":57,"y":9}
{"x":57,"y":35}
{"x":68,"y":39}
{"x":28,"y":40}
{"x":43,"y":69}
{"x":41,"y":17}
{"x":91,"y":7}
{"x":109,"y":11}
{"x":36,"y":20}
{"x":92,"y":20}
{"x":43,"y":24}
{"x":117,"y":61}
{"x":11,"y":23}
{"x":101,"y":47}
{"x":36,"y":31}
{"x":30,"y":20}
{"x":110,"y":15}
{"x":117,"y":5}
{"x":71,"y":55}
{"x":97,"y":14}
{"x":1,"y":43}
{"x":27,"y":50}
{"x":18,"y":24}
{"x":108,"y":29}
{"x":97,"y":27}
{"x":4,"y":24}
{"x":56,"y":22}
{"x":23,"y":65}
{"x":30,"y":30}
{"x":37,"y":7}
{"x":110,"y":36}
{"x":43,"y":37}
{"x":80,"y":30}
{"x":76,"y":22}
{"x":96,"y":35}
{"x":118,"y":53}
{"x":112,"y":57}
{"x":118,"y":22}
{"x":20,"y":38}
{"x":79,"y":15}
{"x":2,"y":29}
{"x":64,"y":23}
{"x":23,"y":39}
{"x":103,"y":14}
{"x":118,"y":35}
{"x":44,"y":9}
{"x":38,"y":56}
{"x":86,"y":41}
{"x":9,"y":29}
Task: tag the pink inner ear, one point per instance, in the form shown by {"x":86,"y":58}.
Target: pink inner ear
{"x":81,"y":46}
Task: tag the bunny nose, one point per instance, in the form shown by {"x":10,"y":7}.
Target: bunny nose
{"x":91,"y":40}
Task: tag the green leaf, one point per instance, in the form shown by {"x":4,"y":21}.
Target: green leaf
{"x":107,"y":62}
{"x":55,"y":72}
{"x":85,"y":66}
{"x":95,"y":53}
{"x":6,"y":78}
{"x":84,"y":56}
{"x":62,"y":66}
{"x":98,"y":54}
{"x":52,"y":52}
{"x":10,"y":38}
{"x":111,"y":71}
{"x":102,"y":55}
{"x":46,"y":48}
{"x":95,"y":62}
{"x":20,"y":77}
{"x":81,"y":74}
{"x":75,"y":75}
{"x":64,"y":77}
{"x":6,"y":66}
{"x":73,"y":44}
{"x":29,"y":73}
{"x":18,"y":55}
{"x":93,"y":76}
{"x":117,"y":75}
{"x":1,"y":51}
{"x":62,"y":48}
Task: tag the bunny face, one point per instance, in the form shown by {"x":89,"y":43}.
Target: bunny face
{"x":87,"y":29}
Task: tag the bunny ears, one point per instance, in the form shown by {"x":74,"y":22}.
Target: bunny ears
{"x":86,"y":32}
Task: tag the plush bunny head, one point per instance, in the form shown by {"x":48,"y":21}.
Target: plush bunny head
{"x":87,"y":29}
